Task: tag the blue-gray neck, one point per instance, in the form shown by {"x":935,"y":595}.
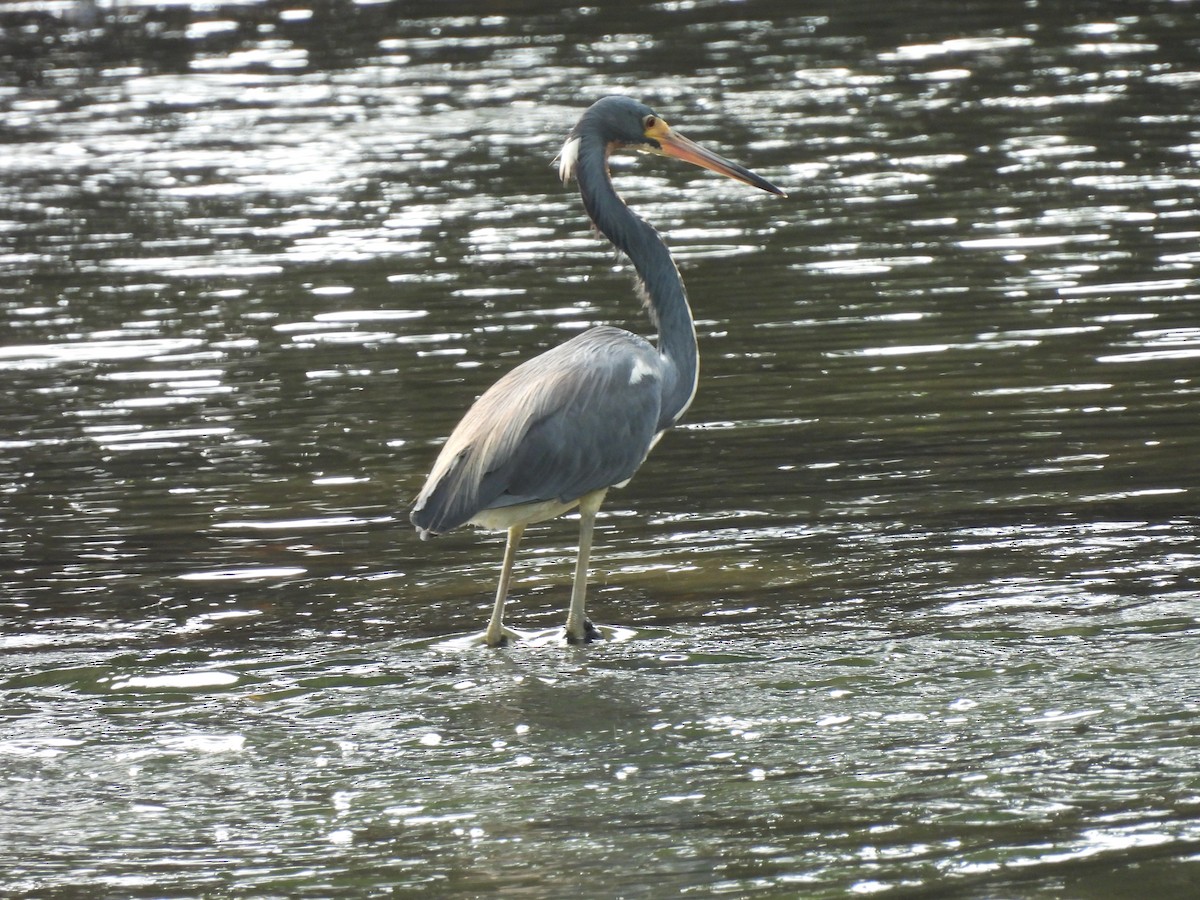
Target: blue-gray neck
{"x":658,"y":277}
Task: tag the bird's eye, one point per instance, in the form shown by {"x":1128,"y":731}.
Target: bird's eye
{"x":649,"y":122}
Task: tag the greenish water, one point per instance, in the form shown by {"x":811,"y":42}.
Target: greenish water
{"x":911,"y":598}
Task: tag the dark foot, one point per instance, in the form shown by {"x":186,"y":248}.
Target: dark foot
{"x":590,"y":633}
{"x":503,"y":637}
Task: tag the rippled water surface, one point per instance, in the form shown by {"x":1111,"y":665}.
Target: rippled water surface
{"x":911,"y":599}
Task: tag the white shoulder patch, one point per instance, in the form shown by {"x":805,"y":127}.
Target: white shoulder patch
{"x":567,"y":159}
{"x":641,"y":369}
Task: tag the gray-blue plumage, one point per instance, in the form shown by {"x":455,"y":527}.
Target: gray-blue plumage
{"x":575,"y":419}
{"x":562,"y":428}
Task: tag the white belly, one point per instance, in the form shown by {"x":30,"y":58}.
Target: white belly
{"x":505,"y":517}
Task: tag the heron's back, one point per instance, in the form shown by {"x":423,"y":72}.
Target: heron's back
{"x":575,"y":419}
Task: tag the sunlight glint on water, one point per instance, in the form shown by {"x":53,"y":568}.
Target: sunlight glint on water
{"x":908,"y":603}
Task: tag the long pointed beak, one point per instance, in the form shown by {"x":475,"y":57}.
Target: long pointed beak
{"x":672,"y":143}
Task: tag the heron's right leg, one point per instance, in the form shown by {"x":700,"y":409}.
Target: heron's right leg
{"x":579,"y":629}
{"x":497,"y":635}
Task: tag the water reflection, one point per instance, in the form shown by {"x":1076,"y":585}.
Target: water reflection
{"x":913,"y":590}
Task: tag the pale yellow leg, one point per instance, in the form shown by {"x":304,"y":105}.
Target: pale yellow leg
{"x":497,"y":635}
{"x":577,"y":624}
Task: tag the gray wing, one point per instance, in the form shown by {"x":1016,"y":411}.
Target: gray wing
{"x":576,"y":419}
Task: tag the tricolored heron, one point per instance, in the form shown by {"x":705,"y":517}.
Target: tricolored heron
{"x":559,"y":430}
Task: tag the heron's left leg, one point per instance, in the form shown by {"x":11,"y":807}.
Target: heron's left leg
{"x":497,"y":635}
{"x":579,"y":629}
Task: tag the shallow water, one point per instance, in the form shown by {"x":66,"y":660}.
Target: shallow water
{"x":911,"y":597}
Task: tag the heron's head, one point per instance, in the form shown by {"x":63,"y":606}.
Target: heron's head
{"x":615,"y":123}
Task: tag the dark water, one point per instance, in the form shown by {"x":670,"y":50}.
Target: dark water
{"x":913,"y":593}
